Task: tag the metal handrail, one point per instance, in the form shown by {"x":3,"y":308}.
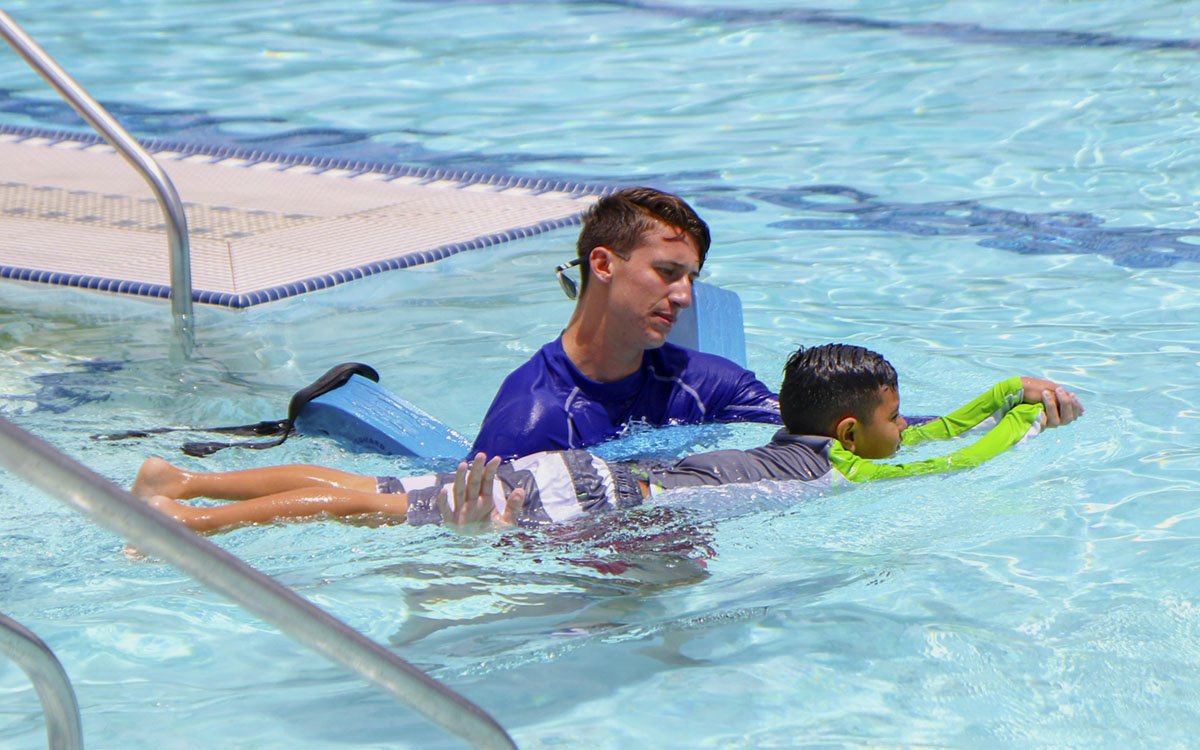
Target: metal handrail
{"x":157,"y":534}
{"x":164,"y":190}
{"x":63,"y":728}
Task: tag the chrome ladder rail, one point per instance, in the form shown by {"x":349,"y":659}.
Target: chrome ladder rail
{"x":63,"y":728}
{"x":156,"y":534}
{"x":164,"y":190}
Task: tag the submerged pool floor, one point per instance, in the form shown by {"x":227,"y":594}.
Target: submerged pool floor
{"x":262,"y":226}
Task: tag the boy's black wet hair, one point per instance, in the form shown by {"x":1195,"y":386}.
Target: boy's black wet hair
{"x":822,"y":384}
{"x":618,"y":222}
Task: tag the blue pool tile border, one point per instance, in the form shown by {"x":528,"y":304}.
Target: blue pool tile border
{"x":463,"y":179}
{"x":84,"y":281}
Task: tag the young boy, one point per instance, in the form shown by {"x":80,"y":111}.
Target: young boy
{"x":840,"y":407}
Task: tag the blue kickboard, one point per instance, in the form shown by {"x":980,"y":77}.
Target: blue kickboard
{"x":713,"y":324}
{"x":368,"y":417}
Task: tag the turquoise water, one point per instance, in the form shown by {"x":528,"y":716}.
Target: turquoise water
{"x":1008,"y":201}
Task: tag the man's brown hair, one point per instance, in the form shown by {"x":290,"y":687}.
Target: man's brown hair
{"x":620,"y":220}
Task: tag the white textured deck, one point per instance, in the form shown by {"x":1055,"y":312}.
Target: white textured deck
{"x":260,"y":227}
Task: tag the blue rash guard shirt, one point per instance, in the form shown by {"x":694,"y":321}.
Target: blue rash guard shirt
{"x":547,"y":404}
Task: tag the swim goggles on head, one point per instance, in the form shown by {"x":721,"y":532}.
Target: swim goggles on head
{"x":566,"y":282}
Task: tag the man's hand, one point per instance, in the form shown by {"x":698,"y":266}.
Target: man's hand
{"x":1062,"y":407}
{"x":473,"y":503}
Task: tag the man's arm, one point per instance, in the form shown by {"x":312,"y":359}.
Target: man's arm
{"x":527,"y":415}
{"x":518,"y":425}
{"x":751,"y":401}
{"x":473,"y":504}
{"x":727,"y":391}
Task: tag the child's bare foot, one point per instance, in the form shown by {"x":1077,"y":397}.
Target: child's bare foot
{"x":174,"y":509}
{"x":133,"y":553}
{"x":157,"y":477}
{"x":158,"y":502}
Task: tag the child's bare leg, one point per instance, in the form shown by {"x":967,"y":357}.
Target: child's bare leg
{"x":300,"y":503}
{"x":157,"y":477}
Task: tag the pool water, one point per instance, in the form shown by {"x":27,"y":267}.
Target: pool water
{"x":976,"y":190}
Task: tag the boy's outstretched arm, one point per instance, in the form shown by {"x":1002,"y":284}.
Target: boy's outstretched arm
{"x":1062,"y":406}
{"x":1019,"y":423}
{"x":473,"y":490}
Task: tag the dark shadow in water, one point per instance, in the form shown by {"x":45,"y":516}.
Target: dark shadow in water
{"x":1052,"y":233}
{"x":966,"y":33}
{"x":622,"y":559}
{"x":83,"y":383}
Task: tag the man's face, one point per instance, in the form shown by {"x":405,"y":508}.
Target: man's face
{"x":653,"y":285}
{"x":880,"y":437}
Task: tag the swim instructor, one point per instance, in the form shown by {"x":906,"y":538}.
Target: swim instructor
{"x":638,"y":253}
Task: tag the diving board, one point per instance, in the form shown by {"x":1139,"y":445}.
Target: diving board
{"x":262,"y":226}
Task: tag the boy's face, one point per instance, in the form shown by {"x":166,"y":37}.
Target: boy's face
{"x":880,"y":437}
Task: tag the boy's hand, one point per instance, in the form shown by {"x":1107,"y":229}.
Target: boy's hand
{"x":1062,"y":407}
{"x":473,"y":502}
